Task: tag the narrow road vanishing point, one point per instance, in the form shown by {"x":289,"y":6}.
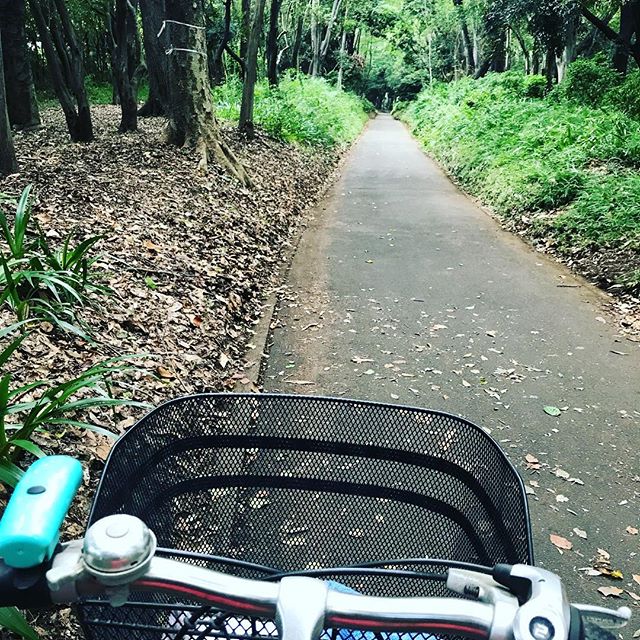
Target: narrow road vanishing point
{"x":404,"y":291}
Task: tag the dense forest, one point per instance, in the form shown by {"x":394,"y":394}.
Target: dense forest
{"x":382,"y":50}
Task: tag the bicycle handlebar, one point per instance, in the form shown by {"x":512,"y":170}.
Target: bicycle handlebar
{"x":118,"y":554}
{"x":518,"y":602}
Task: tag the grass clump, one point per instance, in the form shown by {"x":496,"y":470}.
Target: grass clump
{"x":304,"y":110}
{"x":561,"y":155}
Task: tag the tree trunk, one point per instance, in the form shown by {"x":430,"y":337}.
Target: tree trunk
{"x":324,"y":47}
{"x":550,"y":66}
{"x":343,"y":47}
{"x":245,"y":32}
{"x":569,"y":52}
{"x":629,"y":15}
{"x":124,"y":65}
{"x":297,"y":43}
{"x":272,"y":43}
{"x":8,"y":162}
{"x":192,"y":121}
{"x":316,"y":35}
{"x":611,"y":34}
{"x":523,"y":47}
{"x":155,"y":45}
{"x":217,"y":66}
{"x":65,"y":66}
{"x":20,"y":93}
{"x":251,"y":75}
{"x":467,"y":42}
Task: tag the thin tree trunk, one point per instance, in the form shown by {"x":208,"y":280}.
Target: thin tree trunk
{"x":316,"y":34}
{"x":155,"y":45}
{"x":193,"y":123}
{"x":8,"y":162}
{"x":20,"y":93}
{"x":272,"y":43}
{"x":251,"y":62}
{"x":297,"y":43}
{"x":343,"y":46}
{"x":245,"y":32}
{"x":523,"y":47}
{"x":218,"y":67}
{"x":66,"y":68}
{"x":124,"y":66}
{"x":324,"y":47}
{"x":234,"y":56}
{"x":467,"y":42}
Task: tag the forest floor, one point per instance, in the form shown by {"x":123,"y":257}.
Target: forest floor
{"x":190,"y":259}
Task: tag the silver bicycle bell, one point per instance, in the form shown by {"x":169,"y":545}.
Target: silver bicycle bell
{"x":118,"y":549}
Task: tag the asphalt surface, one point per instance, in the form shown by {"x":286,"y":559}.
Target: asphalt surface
{"x":403,"y":290}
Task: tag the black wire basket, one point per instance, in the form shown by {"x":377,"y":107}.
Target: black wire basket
{"x":259,"y":485}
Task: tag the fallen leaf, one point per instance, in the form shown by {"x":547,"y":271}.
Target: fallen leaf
{"x":580,"y":533}
{"x":636,"y":578}
{"x":561,"y":498}
{"x":223,"y":360}
{"x":163,"y":372}
{"x":616,"y":574}
{"x":611,"y":591}
{"x":604,"y":554}
{"x":634,"y":596}
{"x":301,"y":382}
{"x":151,"y":246}
{"x":562,"y":474}
{"x":552,"y":411}
{"x":632,"y":531}
{"x":359,"y":360}
{"x":560,"y":542}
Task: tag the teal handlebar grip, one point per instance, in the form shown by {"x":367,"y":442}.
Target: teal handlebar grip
{"x":30,"y":525}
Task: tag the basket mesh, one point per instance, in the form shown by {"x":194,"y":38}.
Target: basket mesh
{"x":301,"y":482}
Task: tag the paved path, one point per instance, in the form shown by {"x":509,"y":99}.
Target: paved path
{"x":403,"y":290}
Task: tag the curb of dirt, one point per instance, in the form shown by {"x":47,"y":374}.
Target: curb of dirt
{"x":255,"y":358}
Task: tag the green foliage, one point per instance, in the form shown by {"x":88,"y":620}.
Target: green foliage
{"x":300,"y":109}
{"x":606,"y":211}
{"x":14,"y":621}
{"x":39,"y":281}
{"x":588,"y":81}
{"x":523,"y":155}
{"x":626,"y":96}
{"x":46,"y":404}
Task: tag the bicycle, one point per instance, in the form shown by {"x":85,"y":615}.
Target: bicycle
{"x":383,"y":521}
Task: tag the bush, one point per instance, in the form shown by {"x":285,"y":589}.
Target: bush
{"x":523,"y":155}
{"x":299,"y":109}
{"x":626,"y":96}
{"x":588,"y":81}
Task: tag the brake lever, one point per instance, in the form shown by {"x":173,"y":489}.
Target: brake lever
{"x":608,"y":618}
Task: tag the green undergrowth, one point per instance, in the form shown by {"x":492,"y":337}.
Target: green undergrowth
{"x":568,"y":157}
{"x":300,"y":109}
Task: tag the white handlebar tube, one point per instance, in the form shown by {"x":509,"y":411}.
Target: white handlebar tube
{"x":518,"y":602}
